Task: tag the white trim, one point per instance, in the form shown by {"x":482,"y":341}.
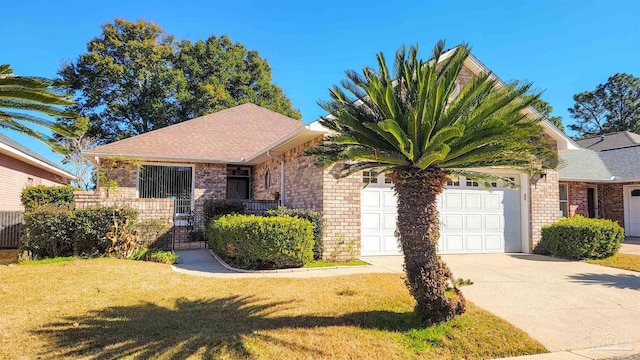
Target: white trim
{"x":525,"y":216}
{"x":627,"y":214}
{"x":35,"y":162}
{"x":193,"y":178}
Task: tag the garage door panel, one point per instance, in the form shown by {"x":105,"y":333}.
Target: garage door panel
{"x":473,"y":220}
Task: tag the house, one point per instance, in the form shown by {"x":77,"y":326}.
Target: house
{"x":602,"y":180}
{"x":20,"y":167}
{"x":253,"y":154}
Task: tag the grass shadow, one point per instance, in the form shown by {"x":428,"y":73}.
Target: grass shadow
{"x":622,"y":281}
{"x":209,"y":329}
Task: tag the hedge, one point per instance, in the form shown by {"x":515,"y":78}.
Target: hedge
{"x":52,"y":231}
{"x":34,"y":196}
{"x":582,"y":238}
{"x":213,"y":209}
{"x":313,"y":216}
{"x":257,"y":242}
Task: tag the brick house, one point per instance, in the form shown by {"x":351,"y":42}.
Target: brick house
{"x":20,"y":167}
{"x":253,"y":154}
{"x":602,"y":180}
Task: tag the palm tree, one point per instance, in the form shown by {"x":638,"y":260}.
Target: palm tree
{"x":411,"y":125}
{"x":22,"y":95}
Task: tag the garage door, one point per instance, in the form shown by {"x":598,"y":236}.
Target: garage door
{"x":472,"y":219}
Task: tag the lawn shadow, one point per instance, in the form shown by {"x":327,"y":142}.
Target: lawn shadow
{"x":536,"y":257}
{"x":207,"y":328}
{"x":622,"y":281}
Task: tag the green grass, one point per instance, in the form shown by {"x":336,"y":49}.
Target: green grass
{"x":322,"y":263}
{"x":54,"y":260}
{"x":110,"y":308}
{"x":620,"y":261}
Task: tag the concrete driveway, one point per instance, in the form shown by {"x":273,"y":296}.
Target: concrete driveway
{"x":566,"y":305}
{"x":631,"y":245}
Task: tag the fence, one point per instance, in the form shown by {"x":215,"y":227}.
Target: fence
{"x":259,"y":206}
{"x":10,"y":229}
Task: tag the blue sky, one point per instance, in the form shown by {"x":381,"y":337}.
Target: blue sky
{"x":563,"y":47}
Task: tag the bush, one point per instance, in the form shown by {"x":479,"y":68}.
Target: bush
{"x":52,"y":231}
{"x":156,"y":255}
{"x":257,"y":242}
{"x":579,"y":238}
{"x":35,"y":196}
{"x":213,"y":209}
{"x":313,"y":216}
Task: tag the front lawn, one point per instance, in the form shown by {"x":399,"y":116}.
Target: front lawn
{"x":620,"y":261}
{"x":109,"y":308}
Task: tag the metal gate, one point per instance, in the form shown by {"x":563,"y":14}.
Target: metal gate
{"x":188,"y":230}
{"x":10,"y":229}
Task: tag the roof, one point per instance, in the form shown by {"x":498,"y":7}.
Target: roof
{"x":610,"y":141}
{"x":234,"y":135}
{"x":614,"y":165}
{"x":16,"y":150}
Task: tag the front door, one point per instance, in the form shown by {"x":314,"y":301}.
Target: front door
{"x":237,"y":188}
{"x":632,"y":210}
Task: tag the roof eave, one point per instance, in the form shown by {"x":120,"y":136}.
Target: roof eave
{"x":10,"y":151}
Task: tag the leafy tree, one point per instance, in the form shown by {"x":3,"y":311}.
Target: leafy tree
{"x":408,"y":124}
{"x":613,"y":106}
{"x":135,"y":78}
{"x":545,"y":109}
{"x":21,"y":96}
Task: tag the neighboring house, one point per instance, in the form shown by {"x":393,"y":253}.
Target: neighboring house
{"x":602,"y":180}
{"x":20,"y":167}
{"x":251,"y":153}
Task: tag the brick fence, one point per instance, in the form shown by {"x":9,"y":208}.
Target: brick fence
{"x":148,"y":209}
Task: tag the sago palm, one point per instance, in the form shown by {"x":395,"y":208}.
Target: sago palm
{"x":410,"y":124}
{"x":21,"y":96}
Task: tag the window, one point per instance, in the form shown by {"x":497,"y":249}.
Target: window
{"x":564,"y":200}
{"x":472,"y":183}
{"x":30,"y":181}
{"x":453,"y":183}
{"x":267,"y":180}
{"x":167,"y":182}
{"x":387,"y":180}
{"x":635,"y":192}
{"x":369,"y":177}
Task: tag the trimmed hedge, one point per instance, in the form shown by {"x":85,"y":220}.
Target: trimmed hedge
{"x":313,"y":216}
{"x":35,"y":196}
{"x":213,"y":209}
{"x":582,"y":238}
{"x":52,"y":231}
{"x":257,"y":242}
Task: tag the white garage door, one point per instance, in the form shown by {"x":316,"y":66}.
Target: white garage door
{"x":632,"y":210}
{"x":473,"y":220}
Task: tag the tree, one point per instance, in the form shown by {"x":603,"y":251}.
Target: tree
{"x":21,"y":96}
{"x":408,"y":124}
{"x":135,"y":78}
{"x":545,"y":109}
{"x":613,"y":106}
{"x":74,"y":145}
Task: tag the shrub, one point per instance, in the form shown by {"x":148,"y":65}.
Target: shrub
{"x":257,"y":242}
{"x":35,"y":196}
{"x":52,"y":231}
{"x":313,"y":216}
{"x":156,"y":255}
{"x":213,"y":209}
{"x":579,"y":238}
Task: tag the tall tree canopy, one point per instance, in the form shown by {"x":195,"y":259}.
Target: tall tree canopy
{"x":611,"y":107}
{"x":408,"y":122}
{"x":23,"y":99}
{"x":136,"y":78}
{"x":545,"y":109}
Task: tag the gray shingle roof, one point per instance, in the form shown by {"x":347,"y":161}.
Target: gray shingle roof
{"x":622,"y":164}
{"x":610,"y":141}
{"x":7,"y":141}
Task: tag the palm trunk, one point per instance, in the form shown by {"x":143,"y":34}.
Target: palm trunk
{"x":418,"y":230}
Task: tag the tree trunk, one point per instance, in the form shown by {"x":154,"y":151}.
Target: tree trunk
{"x":418,"y":230}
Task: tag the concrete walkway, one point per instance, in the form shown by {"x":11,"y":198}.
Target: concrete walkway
{"x":202,"y":263}
{"x":631,"y":245}
{"x":592,"y":310}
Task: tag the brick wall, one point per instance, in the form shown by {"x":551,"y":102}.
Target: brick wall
{"x":577,"y":197}
{"x":148,"y":209}
{"x":210,"y":183}
{"x":544,"y":204}
{"x":15,"y":175}
{"x":611,"y":201}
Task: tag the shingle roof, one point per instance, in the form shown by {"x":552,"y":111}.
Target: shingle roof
{"x":24,"y":150}
{"x":608,"y":165}
{"x":610,"y":141}
{"x":241,"y":132}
